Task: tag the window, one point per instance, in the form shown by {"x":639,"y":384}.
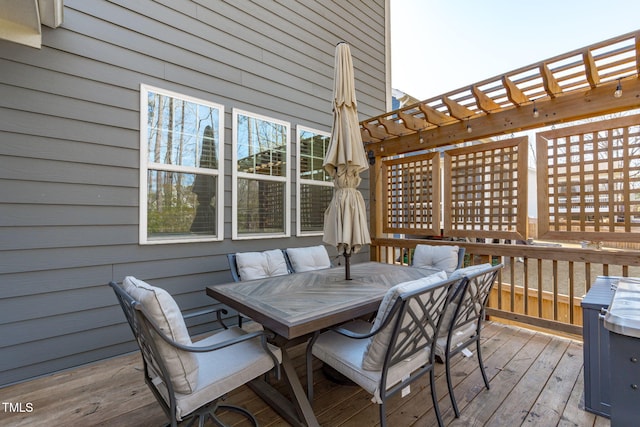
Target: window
{"x":261,"y":194}
{"x":315,"y":187}
{"x":181,"y":168}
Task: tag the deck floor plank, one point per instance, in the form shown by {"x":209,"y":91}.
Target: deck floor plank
{"x":548,"y":408}
{"x":536,"y":380}
{"x":574,"y":414}
{"x":516,"y":406}
{"x":481,"y":410}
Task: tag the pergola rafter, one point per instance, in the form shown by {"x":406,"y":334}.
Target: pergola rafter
{"x":567,"y":87}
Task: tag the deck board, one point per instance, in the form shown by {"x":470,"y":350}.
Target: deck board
{"x":536,"y":380}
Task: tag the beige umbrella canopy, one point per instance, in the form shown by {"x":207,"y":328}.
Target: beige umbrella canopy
{"x":345,"y":220}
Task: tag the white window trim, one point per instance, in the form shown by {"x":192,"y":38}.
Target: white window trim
{"x":235,"y":174}
{"x":145,"y":165}
{"x":301,"y":181}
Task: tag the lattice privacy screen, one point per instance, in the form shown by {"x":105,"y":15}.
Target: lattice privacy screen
{"x":485,"y":190}
{"x":589,"y":181}
{"x":412,"y":190}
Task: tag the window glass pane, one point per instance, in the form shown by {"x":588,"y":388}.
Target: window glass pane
{"x":180,"y":132}
{"x":314,"y":200}
{"x":261,"y":146}
{"x":180,"y":204}
{"x":261,"y":206}
{"x":313,"y":147}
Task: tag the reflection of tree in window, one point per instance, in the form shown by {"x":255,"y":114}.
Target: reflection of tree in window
{"x":205,"y":187}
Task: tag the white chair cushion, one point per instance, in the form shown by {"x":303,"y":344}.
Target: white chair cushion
{"x":258,"y":265}
{"x":310,"y":258}
{"x":163,"y":310}
{"x":224,"y":370}
{"x":459,"y":336}
{"x":437,"y":257}
{"x":346,"y":355}
{"x":373,"y":357}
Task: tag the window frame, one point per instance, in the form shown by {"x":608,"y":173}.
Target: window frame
{"x":235,"y":175}
{"x":300,"y":181}
{"x":146,"y":165}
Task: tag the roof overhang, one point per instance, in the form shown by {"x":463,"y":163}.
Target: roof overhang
{"x":21,"y":20}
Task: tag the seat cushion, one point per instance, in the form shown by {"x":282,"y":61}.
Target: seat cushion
{"x":373,"y":357}
{"x":345,"y":355}
{"x":310,"y":258}
{"x":224,"y":370}
{"x":163,"y":310}
{"x":258,"y":265}
{"x":436,"y":257}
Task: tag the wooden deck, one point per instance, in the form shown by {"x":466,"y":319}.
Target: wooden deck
{"x":536,"y":380}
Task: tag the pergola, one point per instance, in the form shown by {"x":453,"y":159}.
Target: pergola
{"x":576,"y":85}
{"x":588,"y":176}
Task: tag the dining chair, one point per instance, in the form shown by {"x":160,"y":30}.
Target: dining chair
{"x":387,"y":357}
{"x":438,"y":257}
{"x":464,"y":317}
{"x":258,"y":265}
{"x":189,"y":379}
{"x":308,"y":258}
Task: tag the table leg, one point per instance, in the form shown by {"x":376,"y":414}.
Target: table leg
{"x":298,"y":412}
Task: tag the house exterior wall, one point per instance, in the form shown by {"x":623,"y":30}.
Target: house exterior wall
{"x":69,"y":151}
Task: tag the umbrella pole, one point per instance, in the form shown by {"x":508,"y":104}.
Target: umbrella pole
{"x":347,"y":265}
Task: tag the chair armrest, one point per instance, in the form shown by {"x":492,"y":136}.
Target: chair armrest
{"x":218,"y":311}
{"x":204,"y":349}
{"x":355,"y":335}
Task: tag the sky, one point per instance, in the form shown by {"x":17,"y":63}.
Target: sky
{"x":442,"y":45}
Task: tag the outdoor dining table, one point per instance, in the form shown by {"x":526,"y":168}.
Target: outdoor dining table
{"x":294,"y":306}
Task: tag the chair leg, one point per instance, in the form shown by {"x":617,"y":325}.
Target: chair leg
{"x":434,"y":397}
{"x":383,"y":415}
{"x":484,"y":374}
{"x":238,"y":410}
{"x":452,"y":396}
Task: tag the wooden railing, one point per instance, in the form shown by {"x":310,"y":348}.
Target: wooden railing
{"x":540,"y":285}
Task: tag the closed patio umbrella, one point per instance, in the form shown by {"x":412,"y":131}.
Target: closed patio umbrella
{"x":345,"y":220}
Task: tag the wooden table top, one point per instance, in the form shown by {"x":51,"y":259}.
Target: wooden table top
{"x":297,"y":304}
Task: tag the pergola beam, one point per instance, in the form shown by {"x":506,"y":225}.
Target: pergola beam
{"x":590,"y":69}
{"x":394,"y":128}
{"x":485,"y":103}
{"x":434,"y":116}
{"x":413,"y":122}
{"x":515,"y":95}
{"x":550,"y":83}
{"x":456,"y":110}
{"x":566,"y":107}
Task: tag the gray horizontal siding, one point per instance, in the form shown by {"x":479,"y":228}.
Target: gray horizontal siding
{"x":69,"y":152}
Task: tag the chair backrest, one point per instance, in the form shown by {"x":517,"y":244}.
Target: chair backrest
{"x":156,"y":371}
{"x":308,"y":258}
{"x":438,"y":257}
{"x":480,"y":280}
{"x":410,"y":322}
{"x":238,"y":277}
